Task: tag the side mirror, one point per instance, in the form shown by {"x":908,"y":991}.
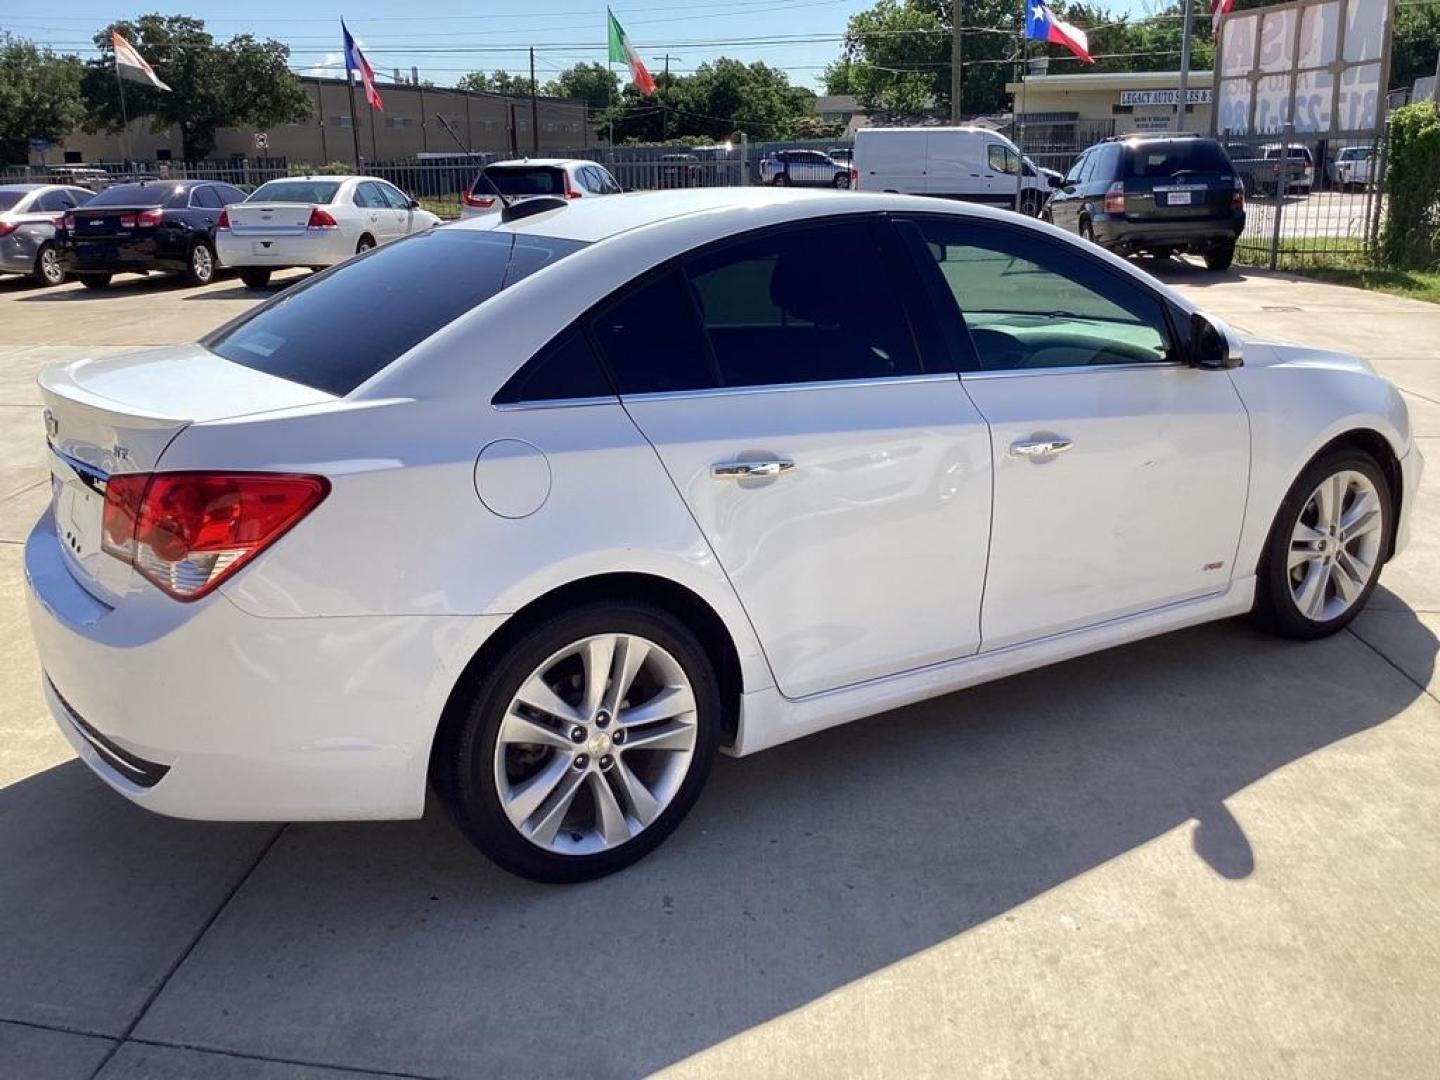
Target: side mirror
{"x":1213,"y":345}
{"x":1056,"y":181}
{"x":414,"y":204}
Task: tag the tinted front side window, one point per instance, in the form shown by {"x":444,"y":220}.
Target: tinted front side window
{"x":1032,"y":304}
{"x":297,"y":191}
{"x":1161,"y":159}
{"x":339,"y":329}
{"x":803,"y":305}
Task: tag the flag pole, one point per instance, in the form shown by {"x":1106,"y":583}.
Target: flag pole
{"x":124,"y":115}
{"x":1024,"y":86}
{"x":354,"y":121}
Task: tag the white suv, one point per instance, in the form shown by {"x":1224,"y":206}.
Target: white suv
{"x":532,"y":178}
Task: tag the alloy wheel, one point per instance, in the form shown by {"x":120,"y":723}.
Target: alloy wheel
{"x":1335,"y":546}
{"x":51,"y":272}
{"x":595,"y":744}
{"x":201,"y":263}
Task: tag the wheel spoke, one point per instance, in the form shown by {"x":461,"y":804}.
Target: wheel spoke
{"x":1349,"y":577}
{"x":671,"y":701}
{"x":1330,"y":500}
{"x":552,"y":812}
{"x":1362,"y":518}
{"x":609,"y":817}
{"x":642,"y":804}
{"x":537,"y":694}
{"x":527,"y":798}
{"x":1310,"y":597}
{"x":673,"y":735}
{"x":630,"y":655}
{"x":518,"y":728}
{"x":597,"y":655}
{"x":1302,"y":545}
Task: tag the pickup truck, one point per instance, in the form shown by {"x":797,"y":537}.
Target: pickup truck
{"x":1260,"y":167}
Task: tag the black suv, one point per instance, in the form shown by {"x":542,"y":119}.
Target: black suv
{"x":1162,"y":194}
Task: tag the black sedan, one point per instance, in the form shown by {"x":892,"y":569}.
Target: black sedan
{"x":165,"y":225}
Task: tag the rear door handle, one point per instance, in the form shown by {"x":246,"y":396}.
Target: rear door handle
{"x":745,"y":470}
{"x":1040,"y":448}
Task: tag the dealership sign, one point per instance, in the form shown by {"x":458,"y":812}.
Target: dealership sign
{"x":1318,"y":64}
{"x":1164,"y":97}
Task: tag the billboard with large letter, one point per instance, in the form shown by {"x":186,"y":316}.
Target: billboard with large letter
{"x":1319,"y":64}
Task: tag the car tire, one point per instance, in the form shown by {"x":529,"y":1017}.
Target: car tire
{"x":1087,"y":231}
{"x":1317,"y":573}
{"x":781,"y":180}
{"x":366,"y":243}
{"x":1220,"y":256}
{"x":1030,"y":204}
{"x":255,"y":279}
{"x":49,"y":270}
{"x":841,"y":181}
{"x":492,"y":782}
{"x":95,"y":281}
{"x":200,"y":265}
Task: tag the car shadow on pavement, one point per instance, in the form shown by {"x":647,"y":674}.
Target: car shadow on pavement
{"x":123,"y":286}
{"x":393,"y":946}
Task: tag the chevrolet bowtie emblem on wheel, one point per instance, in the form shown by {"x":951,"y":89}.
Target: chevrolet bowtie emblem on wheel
{"x":52,"y":426}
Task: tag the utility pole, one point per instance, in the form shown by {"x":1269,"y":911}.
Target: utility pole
{"x":955,"y":52}
{"x":534,"y":108}
{"x":668,"y":58}
{"x":1184,"y":93}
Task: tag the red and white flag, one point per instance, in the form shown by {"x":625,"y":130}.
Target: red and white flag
{"x":355,"y":61}
{"x":1218,"y":10}
{"x":131,"y":65}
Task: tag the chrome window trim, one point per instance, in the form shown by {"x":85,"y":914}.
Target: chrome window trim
{"x":787,"y":388}
{"x":558,"y":403}
{"x":1076,"y":369}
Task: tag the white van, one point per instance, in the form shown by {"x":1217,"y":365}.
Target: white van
{"x":970,"y":163}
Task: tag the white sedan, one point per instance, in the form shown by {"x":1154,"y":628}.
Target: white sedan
{"x":313,"y":221}
{"x":544,"y":509}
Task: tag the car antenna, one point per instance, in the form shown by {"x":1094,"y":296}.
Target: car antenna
{"x":505,"y":202}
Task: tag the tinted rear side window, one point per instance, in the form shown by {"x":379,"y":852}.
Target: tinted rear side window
{"x":301,"y":191}
{"x":339,"y":329}
{"x":138,"y":195}
{"x":566,"y":369}
{"x":653,"y":340}
{"x":1161,"y":159}
{"x":535,"y":180}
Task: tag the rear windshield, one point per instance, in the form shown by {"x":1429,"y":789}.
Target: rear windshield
{"x":337,"y":330}
{"x":138,"y":195}
{"x":1160,"y":159}
{"x":524,"y":180}
{"x":301,"y":191}
{"x":10,"y":198}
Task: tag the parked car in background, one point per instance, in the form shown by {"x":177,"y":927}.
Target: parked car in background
{"x":314,"y":221}
{"x":538,"y":512}
{"x":1352,"y":167}
{"x":1262,"y":168}
{"x":973,"y":164}
{"x":165,"y":225}
{"x":842,"y":155}
{"x":804,"y":168}
{"x":86,"y":176}
{"x":30,"y":217}
{"x":531,"y":178}
{"x":1160,"y":194}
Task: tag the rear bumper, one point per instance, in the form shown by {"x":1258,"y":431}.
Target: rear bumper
{"x":1119,"y":232}
{"x":202,"y":711}
{"x":323,"y":247}
{"x":122,"y":257}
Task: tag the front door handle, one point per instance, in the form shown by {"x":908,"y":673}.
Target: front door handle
{"x":749,"y":470}
{"x":1046,"y":447}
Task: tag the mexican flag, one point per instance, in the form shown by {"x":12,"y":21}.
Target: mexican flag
{"x":622,"y":52}
{"x":131,"y":65}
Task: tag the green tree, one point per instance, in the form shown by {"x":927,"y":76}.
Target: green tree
{"x":594,"y":83}
{"x":244,"y":82}
{"x":1417,"y":44}
{"x":719,"y":101}
{"x":39,"y":97}
{"x":497,"y":82}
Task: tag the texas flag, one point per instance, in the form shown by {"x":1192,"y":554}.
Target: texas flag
{"x":355,"y":61}
{"x":1042,"y":24}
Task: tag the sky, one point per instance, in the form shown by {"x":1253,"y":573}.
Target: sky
{"x":445,"y":40}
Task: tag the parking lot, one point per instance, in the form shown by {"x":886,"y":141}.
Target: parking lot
{"x":1211,"y":854}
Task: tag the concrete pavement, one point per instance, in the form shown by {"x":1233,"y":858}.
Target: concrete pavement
{"x":1207,"y":855}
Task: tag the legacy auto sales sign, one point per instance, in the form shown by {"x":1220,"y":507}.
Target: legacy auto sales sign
{"x":1319,"y":64}
{"x":1164,"y":97}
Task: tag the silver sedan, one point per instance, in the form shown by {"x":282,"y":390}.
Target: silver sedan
{"x":29,"y":217}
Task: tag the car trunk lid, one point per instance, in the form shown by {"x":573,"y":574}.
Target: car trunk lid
{"x":113,"y":222}
{"x":254,"y":219}
{"x":106,"y":417}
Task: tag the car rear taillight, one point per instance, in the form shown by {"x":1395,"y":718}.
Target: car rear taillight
{"x":186,"y":532}
{"x":854,"y":177}
{"x":570,"y":192}
{"x":68,"y":221}
{"x":7,"y":227}
{"x":477,"y":202}
{"x":320,"y":219}
{"x":1237,"y":201}
{"x":222,"y":223}
{"x":1115,"y":198}
{"x":150,"y":218}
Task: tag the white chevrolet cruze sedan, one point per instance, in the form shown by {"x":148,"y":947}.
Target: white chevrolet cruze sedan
{"x":543,"y":509}
{"x":313,"y":221}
